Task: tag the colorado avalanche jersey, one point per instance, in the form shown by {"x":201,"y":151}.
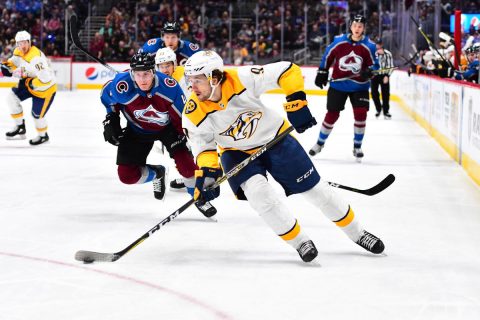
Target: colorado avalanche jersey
{"x":184,"y":51}
{"x":471,"y":72}
{"x":146,"y":112}
{"x":240,"y":120}
{"x":349,"y":58}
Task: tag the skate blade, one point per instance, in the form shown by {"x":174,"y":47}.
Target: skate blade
{"x":212,"y":219}
{"x":40,"y":144}
{"x":359,"y":160}
{"x":315,"y":263}
{"x":178,"y":190}
{"x":17,"y":137}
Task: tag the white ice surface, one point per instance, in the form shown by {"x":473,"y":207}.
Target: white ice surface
{"x":65,"y":196}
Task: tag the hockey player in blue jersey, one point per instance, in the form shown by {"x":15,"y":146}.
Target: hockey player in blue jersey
{"x":352,"y":56}
{"x":171,"y":38}
{"x":152,"y":103}
{"x":183,"y":50}
{"x":471,"y":73}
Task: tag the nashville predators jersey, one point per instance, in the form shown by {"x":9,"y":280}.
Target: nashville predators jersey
{"x":40,"y":78}
{"x":239,"y":121}
{"x":178,"y":75}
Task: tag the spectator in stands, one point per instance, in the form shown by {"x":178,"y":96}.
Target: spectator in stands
{"x":97,"y":45}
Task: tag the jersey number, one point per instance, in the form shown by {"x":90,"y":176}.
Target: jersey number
{"x":257,"y":70}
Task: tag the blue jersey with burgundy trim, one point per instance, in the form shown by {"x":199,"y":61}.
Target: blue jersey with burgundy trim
{"x":470,"y":73}
{"x":184,"y":51}
{"x":146,"y":112}
{"x":348,"y":58}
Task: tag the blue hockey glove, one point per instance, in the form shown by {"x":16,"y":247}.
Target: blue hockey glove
{"x":298,"y":113}
{"x":112,"y":131}
{"x":204,"y":178}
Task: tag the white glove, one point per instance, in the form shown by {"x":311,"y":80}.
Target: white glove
{"x":30,"y":72}
{"x":19,"y":73}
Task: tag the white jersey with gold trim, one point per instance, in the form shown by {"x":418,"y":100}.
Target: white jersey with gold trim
{"x":36,"y":66}
{"x":178,"y":75}
{"x":240,"y":120}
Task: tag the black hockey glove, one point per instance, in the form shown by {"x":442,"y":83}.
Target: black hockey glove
{"x":5,"y":70}
{"x":172,"y":140}
{"x":112,"y":131}
{"x":204,"y":178}
{"x":298,"y":113}
{"x":366,"y":74}
{"x":322,"y":78}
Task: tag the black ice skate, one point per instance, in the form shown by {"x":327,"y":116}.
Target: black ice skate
{"x":18,"y":133}
{"x":370,"y":243}
{"x":39,"y":140}
{"x":159,"y":181}
{"x":377,"y":114}
{"x":358,"y":153}
{"x":307,"y":251}
{"x":206,"y":208}
{"x":315,"y":149}
{"x":177,"y":184}
{"x":388,"y":116}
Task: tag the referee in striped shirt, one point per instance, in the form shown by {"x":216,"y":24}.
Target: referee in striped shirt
{"x":385,"y":60}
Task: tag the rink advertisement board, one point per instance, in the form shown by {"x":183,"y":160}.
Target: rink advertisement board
{"x":471,"y":130}
{"x":448,"y":110}
{"x":94,"y":75}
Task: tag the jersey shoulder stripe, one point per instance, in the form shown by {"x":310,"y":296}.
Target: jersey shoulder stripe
{"x":32,"y":53}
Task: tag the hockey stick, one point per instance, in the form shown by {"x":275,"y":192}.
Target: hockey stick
{"x":91,"y":256}
{"x":76,"y":41}
{"x":375,"y":72}
{"x":430,"y":43}
{"x":382,"y":185}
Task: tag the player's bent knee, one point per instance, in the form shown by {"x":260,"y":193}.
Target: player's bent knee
{"x":329,"y":201}
{"x":128,"y":174}
{"x":260,"y":194}
{"x":13,"y":103}
{"x":184,"y":162}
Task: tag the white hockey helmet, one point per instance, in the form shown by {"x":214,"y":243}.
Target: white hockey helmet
{"x":203,"y":62}
{"x":166,"y":55}
{"x":22,"y":36}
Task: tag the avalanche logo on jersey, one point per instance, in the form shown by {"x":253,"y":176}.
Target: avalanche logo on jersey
{"x":151,"y":115}
{"x":351,"y":62}
{"x":170,"y":82}
{"x":244,"y":127}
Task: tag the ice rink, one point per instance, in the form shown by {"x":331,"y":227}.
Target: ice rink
{"x":65,"y":196}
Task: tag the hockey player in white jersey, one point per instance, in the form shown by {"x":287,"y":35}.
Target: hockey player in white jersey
{"x":225,"y":114}
{"x":166,"y":63}
{"x":37,"y":81}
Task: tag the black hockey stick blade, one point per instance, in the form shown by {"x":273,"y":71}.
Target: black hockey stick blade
{"x":92,"y":256}
{"x":382,"y":185}
{"x":76,"y":41}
